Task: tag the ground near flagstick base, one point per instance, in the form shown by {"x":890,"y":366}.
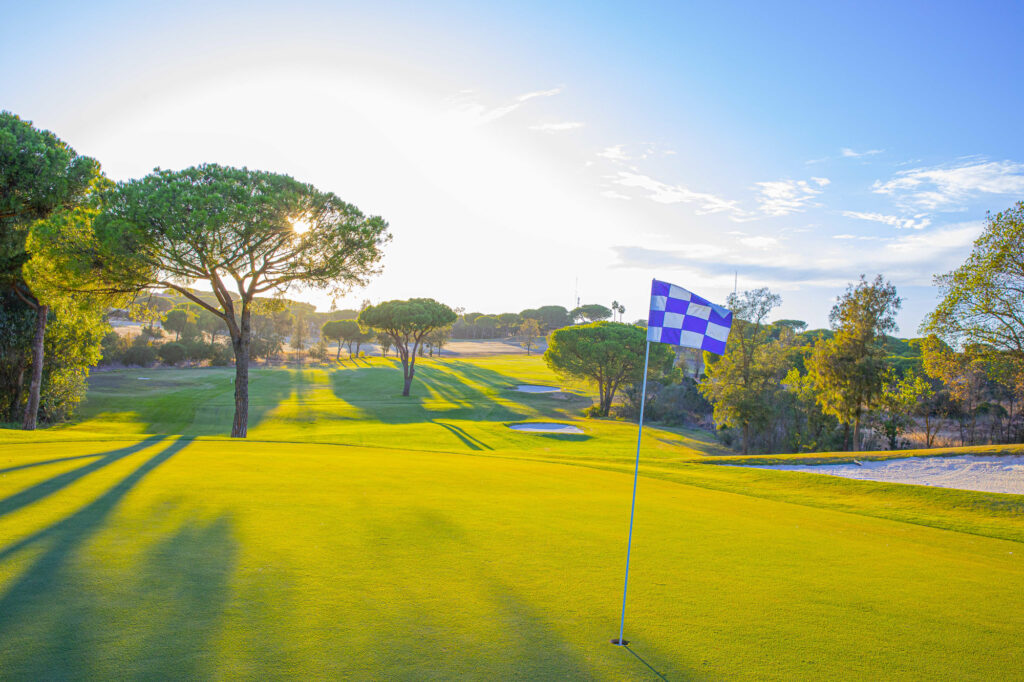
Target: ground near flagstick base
{"x":620,"y":642}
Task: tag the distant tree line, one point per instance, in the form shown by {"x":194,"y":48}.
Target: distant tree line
{"x":78,"y":251}
{"x":782,"y":388}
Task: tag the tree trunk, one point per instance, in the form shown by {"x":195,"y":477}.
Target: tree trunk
{"x":746,"y":438}
{"x":856,"y":432}
{"x":32,"y":409}
{"x":338,"y":356}
{"x":240,"y":427}
{"x":407,"y":373}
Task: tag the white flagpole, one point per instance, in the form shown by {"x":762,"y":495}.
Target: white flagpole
{"x":632,"y":506}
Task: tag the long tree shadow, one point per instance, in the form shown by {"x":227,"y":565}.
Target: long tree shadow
{"x":50,"y":486}
{"x":58,"y":460}
{"x":184,"y":586}
{"x":471,"y":442}
{"x":60,"y":543}
{"x":436,"y":392}
{"x":409,"y":631}
{"x":203,"y":407}
{"x":159,"y":622}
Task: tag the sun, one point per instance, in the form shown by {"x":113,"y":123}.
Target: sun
{"x":300,"y":225}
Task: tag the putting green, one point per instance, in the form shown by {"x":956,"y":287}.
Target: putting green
{"x":418,"y":556}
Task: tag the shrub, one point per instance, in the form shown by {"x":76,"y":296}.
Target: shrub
{"x":140,"y":353}
{"x":113,"y":348}
{"x":172,"y":353}
{"x":221,"y":354}
{"x":196,"y":349}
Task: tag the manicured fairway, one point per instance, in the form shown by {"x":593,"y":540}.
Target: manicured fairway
{"x":359,"y":535}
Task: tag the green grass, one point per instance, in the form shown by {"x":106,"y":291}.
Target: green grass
{"x":365,"y":535}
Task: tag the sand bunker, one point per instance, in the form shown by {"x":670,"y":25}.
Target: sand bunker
{"x":533,"y":388}
{"x":968,"y":472}
{"x":546,"y":427}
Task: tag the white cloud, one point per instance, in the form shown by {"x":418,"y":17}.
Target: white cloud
{"x":783,"y":197}
{"x":468,"y":104}
{"x":674,"y":194}
{"x":539,"y":93}
{"x":612,"y":194}
{"x":917,"y":248}
{"x":859,"y":237}
{"x":615,"y":153}
{"x":917,"y":222}
{"x":557,"y":127}
{"x":821,"y":182}
{"x":851,"y":154}
{"x":951,"y":186}
{"x":762,"y":243}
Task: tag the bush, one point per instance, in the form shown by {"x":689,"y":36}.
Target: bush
{"x":221,"y":354}
{"x":140,"y":353}
{"x":319,"y":351}
{"x":196,"y":350}
{"x":172,"y":353}
{"x":113,"y":348}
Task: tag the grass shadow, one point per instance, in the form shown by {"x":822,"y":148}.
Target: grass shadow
{"x":51,"y":613}
{"x":470,"y":441}
{"x":52,"y":485}
{"x":436,"y":392}
{"x":30,"y":465}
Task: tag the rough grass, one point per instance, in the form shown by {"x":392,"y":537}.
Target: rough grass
{"x":358,"y":534}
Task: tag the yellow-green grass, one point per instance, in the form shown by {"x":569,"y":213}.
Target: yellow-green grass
{"x":356,"y":535}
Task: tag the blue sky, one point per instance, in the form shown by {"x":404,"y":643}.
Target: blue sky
{"x":519,"y":148}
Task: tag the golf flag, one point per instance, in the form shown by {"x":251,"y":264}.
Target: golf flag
{"x":682,"y":318}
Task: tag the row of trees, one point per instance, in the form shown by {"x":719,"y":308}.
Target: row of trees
{"x":547,"y":319}
{"x":782,"y":388}
{"x":76,"y":243}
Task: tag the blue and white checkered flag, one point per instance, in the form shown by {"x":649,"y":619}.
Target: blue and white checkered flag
{"x":683,"y":318}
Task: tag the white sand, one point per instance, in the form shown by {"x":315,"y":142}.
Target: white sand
{"x":968,"y":472}
{"x":530,"y":388}
{"x":540,"y":427}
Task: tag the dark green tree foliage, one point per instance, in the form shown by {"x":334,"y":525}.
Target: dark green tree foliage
{"x":848,"y":369}
{"x":744,"y":383}
{"x":366,"y":335}
{"x":549,"y":316}
{"x":17,"y":322}
{"x":74,"y":334}
{"x":610,"y":354}
{"x":337,"y":331}
{"x":244,"y":232}
{"x":591,"y":312}
{"x":407,"y":323}
{"x":348,"y":332}
{"x":983,"y":300}
{"x":271,"y":324}
{"x":171,"y":353}
{"x":175,"y":321}
{"x":40,"y":176}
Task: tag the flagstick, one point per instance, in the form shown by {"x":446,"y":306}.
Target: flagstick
{"x":632,"y":506}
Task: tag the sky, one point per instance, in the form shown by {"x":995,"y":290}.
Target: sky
{"x":528,"y":154}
